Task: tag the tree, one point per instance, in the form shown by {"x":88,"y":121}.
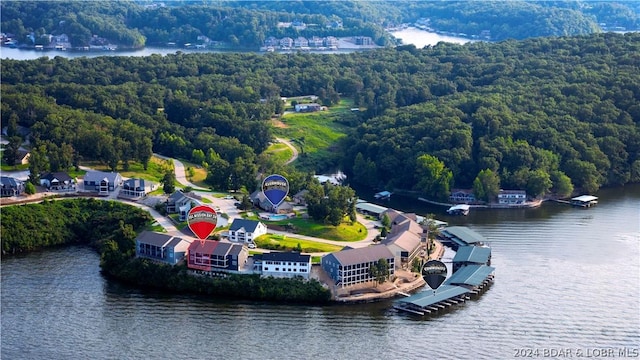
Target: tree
{"x":29,"y":188}
{"x":168,"y":182}
{"x":245,"y":203}
{"x":380,"y":271}
{"x":386,"y":221}
{"x":432,"y":177}
{"x":486,"y":186}
{"x":38,"y":163}
{"x":562,"y":185}
{"x":538,"y":183}
{"x":10,"y":153}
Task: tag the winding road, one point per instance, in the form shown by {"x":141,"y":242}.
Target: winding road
{"x":293,"y":148}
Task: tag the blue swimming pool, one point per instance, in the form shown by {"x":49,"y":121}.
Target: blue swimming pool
{"x":277,"y":217}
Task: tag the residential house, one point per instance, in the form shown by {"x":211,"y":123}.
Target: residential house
{"x":286,"y":43}
{"x":286,"y":264}
{"x":316,"y":42}
{"x":211,"y":256}
{"x":271,"y":41}
{"x":300,"y":197}
{"x":364,"y":40}
{"x":331,"y":42}
{"x":351,"y":266}
{"x":462,"y":196}
{"x":300,"y":42}
{"x":259,"y":200}
{"x":161,"y":247}
{"x":245,"y":231}
{"x":512,"y":197}
{"x":102,"y":182}
{"x":405,"y":240}
{"x":57,"y":181}
{"x":179,"y":203}
{"x":308,"y":107}
{"x":137,"y":188}
{"x":10,"y":186}
{"x":22,"y":156}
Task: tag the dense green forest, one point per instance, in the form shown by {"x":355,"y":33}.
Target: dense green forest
{"x":61,"y":222}
{"x":545,"y":114}
{"x":246,"y":24}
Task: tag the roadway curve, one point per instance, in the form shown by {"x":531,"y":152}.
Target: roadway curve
{"x":181,"y":175}
{"x":293,"y":148}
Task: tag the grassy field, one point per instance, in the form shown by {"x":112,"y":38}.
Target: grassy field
{"x":279,"y":152}
{"x":199,"y":173}
{"x":315,"y":134}
{"x":288,"y":243}
{"x":343,"y":232}
{"x":155,"y":170}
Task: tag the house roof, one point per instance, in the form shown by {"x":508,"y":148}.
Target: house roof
{"x":362,"y":255}
{"x":372,"y":208}
{"x":286,"y":256}
{"x":60,"y":176}
{"x":248,"y":225}
{"x":403,"y":224}
{"x":7,"y":181}
{"x":215,"y":248}
{"x":138,"y":184}
{"x":176,"y":196}
{"x":301,"y":194}
{"x":158,"y":239}
{"x":406,"y":240}
{"x":97,"y":176}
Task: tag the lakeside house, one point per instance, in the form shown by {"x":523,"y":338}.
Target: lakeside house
{"x":102,"y":182}
{"x":284,"y":264}
{"x":405,"y":240}
{"x":212,"y":256}
{"x":351,"y":266}
{"x":161,"y":247}
{"x":512,"y":197}
{"x":245,"y":231}
{"x":462,"y":196}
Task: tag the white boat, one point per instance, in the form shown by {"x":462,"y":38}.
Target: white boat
{"x":460,"y":209}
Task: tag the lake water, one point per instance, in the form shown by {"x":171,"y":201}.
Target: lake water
{"x":419,"y":38}
{"x":566,"y":278}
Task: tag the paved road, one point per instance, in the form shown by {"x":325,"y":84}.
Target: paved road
{"x":293,"y":148}
{"x":181,"y":175}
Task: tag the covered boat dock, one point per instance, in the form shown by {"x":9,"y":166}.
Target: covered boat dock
{"x":428,"y":302}
{"x":471,"y":255}
{"x":458,"y":236}
{"x":584,"y":201}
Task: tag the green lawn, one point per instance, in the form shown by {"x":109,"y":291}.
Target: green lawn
{"x":155,"y":169}
{"x":342,"y":232}
{"x":316,"y":134}
{"x":20,"y":167}
{"x":288,"y":243}
{"x":279,"y":152}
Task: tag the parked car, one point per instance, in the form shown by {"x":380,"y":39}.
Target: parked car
{"x":251,"y":246}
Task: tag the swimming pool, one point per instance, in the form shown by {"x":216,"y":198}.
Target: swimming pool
{"x":277,"y":217}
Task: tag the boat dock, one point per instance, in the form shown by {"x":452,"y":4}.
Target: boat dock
{"x":460,"y":209}
{"x":585,"y":201}
{"x":471,"y":277}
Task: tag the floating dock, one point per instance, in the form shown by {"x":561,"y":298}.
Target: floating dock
{"x":460,"y":209}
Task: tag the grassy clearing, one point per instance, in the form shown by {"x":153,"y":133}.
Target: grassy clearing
{"x":155,"y":169}
{"x":316,"y":134}
{"x":288,"y":243}
{"x":343,"y":232}
{"x":196,"y":174}
{"x":20,"y":167}
{"x":279,"y":152}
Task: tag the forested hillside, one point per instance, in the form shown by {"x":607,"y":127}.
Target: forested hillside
{"x":543,"y":114}
{"x":246,"y":24}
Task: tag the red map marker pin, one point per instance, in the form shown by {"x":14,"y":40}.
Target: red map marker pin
{"x":202,"y":220}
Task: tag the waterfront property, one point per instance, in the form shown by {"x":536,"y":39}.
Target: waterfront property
{"x":471,"y":255}
{"x":245,"y":231}
{"x":462,"y":196}
{"x":584,"y":201}
{"x":351,"y":266}
{"x":10,"y":186}
{"x":512,"y":197}
{"x":102,"y":182}
{"x":405,"y":240}
{"x":212,"y":256}
{"x":370,"y":209}
{"x":457,"y":236}
{"x":286,"y":264}
{"x":460,"y":209}
{"x":161,"y":247}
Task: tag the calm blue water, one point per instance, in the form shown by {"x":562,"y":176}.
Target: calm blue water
{"x":565,"y":278}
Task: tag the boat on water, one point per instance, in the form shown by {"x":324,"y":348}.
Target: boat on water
{"x":460,"y":209}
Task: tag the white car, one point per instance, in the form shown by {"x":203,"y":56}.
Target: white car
{"x":251,"y":246}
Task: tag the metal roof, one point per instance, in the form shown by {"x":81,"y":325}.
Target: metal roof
{"x":372,"y":208}
{"x":286,"y":256}
{"x":474,"y":254}
{"x":362,"y":255}
{"x":464,"y":233}
{"x":428,"y":297}
{"x":472,"y":275}
{"x":584,"y":198}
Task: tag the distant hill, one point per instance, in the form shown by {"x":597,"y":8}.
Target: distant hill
{"x":246,"y":24}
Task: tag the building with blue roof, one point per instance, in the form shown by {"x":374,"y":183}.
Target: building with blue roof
{"x":471,"y":255}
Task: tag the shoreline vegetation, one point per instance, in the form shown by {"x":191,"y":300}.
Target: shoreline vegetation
{"x":110,"y":227}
